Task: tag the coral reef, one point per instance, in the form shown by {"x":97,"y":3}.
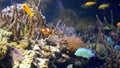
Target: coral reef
{"x":26,"y":39}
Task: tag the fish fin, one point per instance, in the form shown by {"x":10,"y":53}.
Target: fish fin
{"x":83,"y":6}
{"x":31,"y":14}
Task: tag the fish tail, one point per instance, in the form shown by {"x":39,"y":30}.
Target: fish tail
{"x":31,"y":14}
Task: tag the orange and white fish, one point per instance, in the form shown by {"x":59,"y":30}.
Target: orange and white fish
{"x":46,"y":31}
{"x":103,"y":6}
{"x":118,"y":24}
{"x":27,"y":10}
{"x":89,"y":3}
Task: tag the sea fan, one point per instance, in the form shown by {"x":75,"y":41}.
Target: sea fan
{"x":83,"y":52}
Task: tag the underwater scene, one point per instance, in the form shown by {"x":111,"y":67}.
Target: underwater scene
{"x":59,"y":33}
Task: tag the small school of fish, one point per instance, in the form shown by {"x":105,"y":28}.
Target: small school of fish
{"x":92,"y":3}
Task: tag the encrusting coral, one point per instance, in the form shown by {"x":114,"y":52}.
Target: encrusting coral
{"x":4,"y":37}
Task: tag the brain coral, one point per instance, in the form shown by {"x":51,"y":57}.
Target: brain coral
{"x":74,"y":43}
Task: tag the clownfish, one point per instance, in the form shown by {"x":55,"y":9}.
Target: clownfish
{"x":46,"y":31}
{"x":27,"y":10}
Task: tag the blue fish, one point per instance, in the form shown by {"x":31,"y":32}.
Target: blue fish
{"x":84,"y":52}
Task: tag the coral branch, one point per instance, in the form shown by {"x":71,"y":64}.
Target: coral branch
{"x":3,"y":24}
{"x":112,"y":20}
{"x":58,"y":23}
{"x":38,"y":5}
{"x":15,"y":19}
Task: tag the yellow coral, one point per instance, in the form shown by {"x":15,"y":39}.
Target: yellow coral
{"x":23,"y":43}
{"x":3,"y":42}
{"x":3,"y":50}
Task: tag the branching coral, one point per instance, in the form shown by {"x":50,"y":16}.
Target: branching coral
{"x":101,"y":51}
{"x":113,"y":57}
{"x":16,"y":20}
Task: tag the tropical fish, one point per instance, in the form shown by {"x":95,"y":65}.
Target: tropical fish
{"x":46,"y":31}
{"x":118,"y":24}
{"x":103,"y":6}
{"x":83,"y":52}
{"x":27,"y":10}
{"x":89,"y":3}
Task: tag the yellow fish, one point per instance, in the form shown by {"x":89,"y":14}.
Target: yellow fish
{"x":118,"y":24}
{"x":89,"y":3}
{"x":103,"y":6}
{"x":27,"y":10}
